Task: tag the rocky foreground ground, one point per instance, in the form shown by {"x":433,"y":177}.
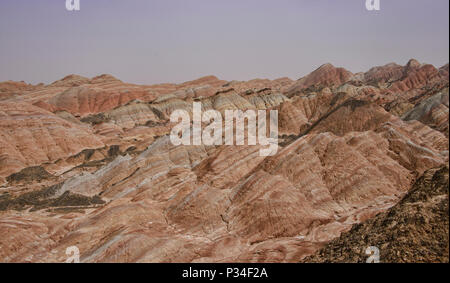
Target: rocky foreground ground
{"x":88,"y":163}
{"x":414,"y":230}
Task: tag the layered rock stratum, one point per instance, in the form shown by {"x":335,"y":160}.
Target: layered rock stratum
{"x":88,"y":162}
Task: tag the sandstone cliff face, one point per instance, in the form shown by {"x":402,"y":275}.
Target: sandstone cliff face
{"x":91,"y":165}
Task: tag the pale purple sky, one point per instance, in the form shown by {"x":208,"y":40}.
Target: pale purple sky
{"x":153,"y":41}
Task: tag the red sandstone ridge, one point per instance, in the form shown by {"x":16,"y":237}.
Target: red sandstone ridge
{"x":30,"y":136}
{"x":207,"y":80}
{"x":443,"y":71}
{"x":325,"y":76}
{"x":387,"y":73}
{"x":89,"y":163}
{"x":10,"y":88}
{"x":85,"y":100}
{"x":416,"y":75}
{"x":71,"y":81}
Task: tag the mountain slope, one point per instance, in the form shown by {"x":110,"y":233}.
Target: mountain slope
{"x":89,"y":162}
{"x":414,"y":230}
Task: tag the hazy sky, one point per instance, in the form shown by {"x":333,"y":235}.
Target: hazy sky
{"x":152,"y":41}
